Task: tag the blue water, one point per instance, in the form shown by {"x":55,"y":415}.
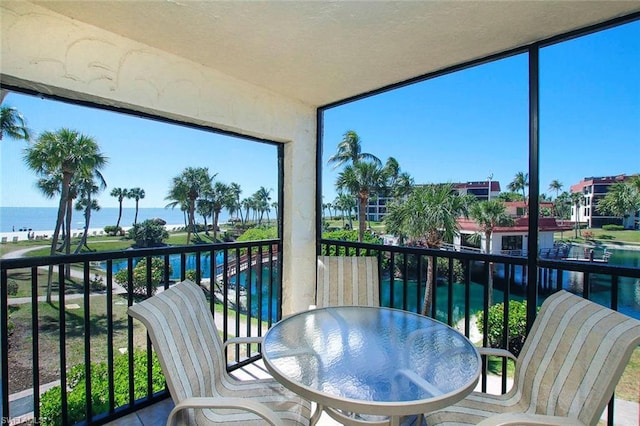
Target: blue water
{"x":629,"y":288}
{"x":629,"y":297}
{"x":44,"y":218}
{"x":269,"y":295}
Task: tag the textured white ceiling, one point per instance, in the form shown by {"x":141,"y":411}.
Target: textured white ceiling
{"x":322,"y":52}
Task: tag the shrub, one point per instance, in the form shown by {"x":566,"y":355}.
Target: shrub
{"x":149,"y":233}
{"x":190,"y":275}
{"x":517,"y":325}
{"x":97,"y":283}
{"x":113,"y":230}
{"x":50,"y":402}
{"x":348,"y":235}
{"x":257,"y":234}
{"x":140,"y":276}
{"x":12,"y":288}
{"x":613,"y":227}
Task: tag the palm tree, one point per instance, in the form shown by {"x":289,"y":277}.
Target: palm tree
{"x":392,"y":169}
{"x":556,"y":186}
{"x":399,"y":183}
{"x":430,"y":213}
{"x":222,"y":197}
{"x":137,"y":194}
{"x":185,"y":189}
{"x":247,"y":205}
{"x":262,"y":197}
{"x":621,"y":199}
{"x":350,"y":151}
{"x":346,"y":203}
{"x":361,"y":180}
{"x":489,"y":215}
{"x":395,"y":220}
{"x":87,"y":188}
{"x":520,"y":182}
{"x":236,"y":207}
{"x":324,"y":211}
{"x":577,"y":199}
{"x":13,"y":124}
{"x":64,"y":153}
{"x":120,"y":194}
{"x":204,"y":207}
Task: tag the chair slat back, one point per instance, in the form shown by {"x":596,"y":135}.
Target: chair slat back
{"x":573,"y":358}
{"x":344,"y":280}
{"x":185,"y":338}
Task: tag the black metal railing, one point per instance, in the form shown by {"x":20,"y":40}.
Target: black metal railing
{"x":244,"y":305}
{"x":461,"y":289}
{"x":72,"y":342}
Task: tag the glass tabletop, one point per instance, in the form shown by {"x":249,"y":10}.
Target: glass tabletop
{"x":370,"y":356}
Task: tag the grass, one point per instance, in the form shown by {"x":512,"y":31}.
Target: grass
{"x":49,"y":336}
{"x":602,"y":236}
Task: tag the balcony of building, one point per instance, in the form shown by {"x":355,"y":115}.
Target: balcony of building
{"x":267,"y":72}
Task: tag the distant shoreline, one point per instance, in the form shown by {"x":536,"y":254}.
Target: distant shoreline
{"x":46,"y":235}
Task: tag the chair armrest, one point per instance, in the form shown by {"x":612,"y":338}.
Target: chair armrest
{"x":497,"y":352}
{"x":241,"y":340}
{"x":238,"y":403}
{"x":529,"y":420}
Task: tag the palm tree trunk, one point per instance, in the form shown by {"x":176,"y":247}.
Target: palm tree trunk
{"x":119,"y":216}
{"x":190,"y":220}
{"x":487,"y":250}
{"x":54,"y":241}
{"x":362,"y":221}
{"x":67,"y":242}
{"x":428,"y":290}
{"x":216,"y":216}
{"x":87,"y":218}
{"x":135,"y":219}
{"x":240,"y":211}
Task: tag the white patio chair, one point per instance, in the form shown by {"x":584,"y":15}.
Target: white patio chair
{"x":347,"y":280}
{"x":192,"y":357}
{"x":565,"y":374}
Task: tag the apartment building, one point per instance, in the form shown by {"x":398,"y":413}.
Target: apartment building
{"x":482,"y":190}
{"x":594,"y":189}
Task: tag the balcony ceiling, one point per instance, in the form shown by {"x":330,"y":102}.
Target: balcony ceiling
{"x":323,"y":52}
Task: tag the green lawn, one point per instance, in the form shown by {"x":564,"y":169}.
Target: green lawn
{"x":601,"y":236}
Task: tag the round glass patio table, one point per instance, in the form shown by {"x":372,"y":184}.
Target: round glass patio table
{"x":371,"y":361}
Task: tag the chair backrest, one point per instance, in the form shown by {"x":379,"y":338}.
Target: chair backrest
{"x":573,"y":358}
{"x":344,"y":280}
{"x":185,"y":338}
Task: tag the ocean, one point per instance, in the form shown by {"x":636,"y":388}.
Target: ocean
{"x":44,"y":218}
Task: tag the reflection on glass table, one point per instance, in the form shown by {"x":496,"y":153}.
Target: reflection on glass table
{"x":367,"y":362}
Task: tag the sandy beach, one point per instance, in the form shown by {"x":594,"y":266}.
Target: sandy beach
{"x":8,"y":237}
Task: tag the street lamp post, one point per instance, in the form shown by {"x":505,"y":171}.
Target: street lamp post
{"x":489,"y":191}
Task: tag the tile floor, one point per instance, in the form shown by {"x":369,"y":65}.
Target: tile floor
{"x":627,"y":412}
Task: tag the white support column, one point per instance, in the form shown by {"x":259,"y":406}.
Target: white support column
{"x":299,"y":221}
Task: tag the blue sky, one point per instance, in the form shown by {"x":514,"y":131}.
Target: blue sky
{"x":460,"y":127}
{"x":468,"y":125}
{"x":142,"y":153}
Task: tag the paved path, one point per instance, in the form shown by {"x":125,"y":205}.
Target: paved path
{"x":117,"y":289}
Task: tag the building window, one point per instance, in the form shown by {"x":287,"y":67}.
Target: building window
{"x":512,"y":242}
